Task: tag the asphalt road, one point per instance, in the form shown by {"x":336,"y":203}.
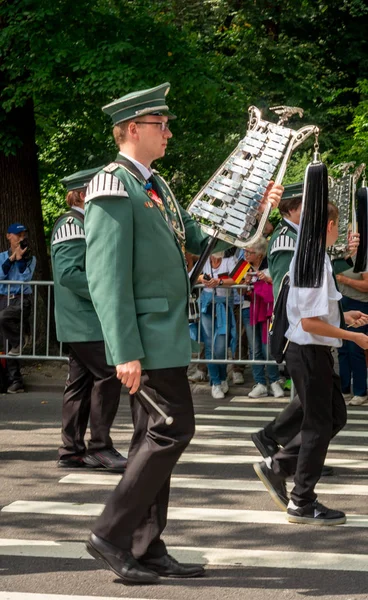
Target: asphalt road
{"x":219,"y":514}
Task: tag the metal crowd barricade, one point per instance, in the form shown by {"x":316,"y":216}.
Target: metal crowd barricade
{"x":43,"y":348}
{"x":236,"y":296}
{"x":41,"y":323}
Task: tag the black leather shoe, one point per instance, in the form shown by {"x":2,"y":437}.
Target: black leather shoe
{"x":73,"y":461}
{"x":167,"y":566}
{"x":327,"y":471}
{"x":121,"y":562}
{"x":109,"y":459}
{"x":274,"y":483}
{"x":264,"y":444}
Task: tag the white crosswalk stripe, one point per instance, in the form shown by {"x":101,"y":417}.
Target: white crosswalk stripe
{"x":207,"y":494}
{"x":196,"y":483}
{"x":247,"y":430}
{"x":28,"y":596}
{"x":175,"y":513}
{"x":263,"y":419}
{"x":211,"y":556}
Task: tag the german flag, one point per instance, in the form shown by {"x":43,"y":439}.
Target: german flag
{"x":240,"y":270}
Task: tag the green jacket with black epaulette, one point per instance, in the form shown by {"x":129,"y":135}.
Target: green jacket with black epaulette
{"x":136,"y":269}
{"x":281,"y":248}
{"x":76,"y":319}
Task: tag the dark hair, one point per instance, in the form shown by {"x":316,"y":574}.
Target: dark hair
{"x":289,"y":204}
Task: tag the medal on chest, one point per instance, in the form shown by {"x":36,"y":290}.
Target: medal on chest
{"x":155,"y":197}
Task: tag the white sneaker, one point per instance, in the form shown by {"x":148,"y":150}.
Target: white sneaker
{"x":347,"y":397}
{"x":277,"y":390}
{"x":14,"y":351}
{"x":217,"y":392}
{"x":198,"y":376}
{"x":224,"y":386}
{"x":358,"y":400}
{"x":238,"y":378}
{"x":259,"y":391}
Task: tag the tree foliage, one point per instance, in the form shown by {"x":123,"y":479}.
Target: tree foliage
{"x":70,"y":58}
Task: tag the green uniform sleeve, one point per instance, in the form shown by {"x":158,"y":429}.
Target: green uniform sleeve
{"x":279,"y":265}
{"x":109,"y":265}
{"x":340,"y":265}
{"x":69,"y":266}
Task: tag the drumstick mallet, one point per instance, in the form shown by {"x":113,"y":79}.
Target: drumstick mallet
{"x":168,"y":420}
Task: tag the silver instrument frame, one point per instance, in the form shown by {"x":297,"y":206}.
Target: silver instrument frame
{"x":233,"y":215}
{"x":342,"y":192}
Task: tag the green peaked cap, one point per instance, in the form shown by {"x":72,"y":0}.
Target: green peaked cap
{"x":137,"y":104}
{"x":80,"y":179}
{"x":292,"y":190}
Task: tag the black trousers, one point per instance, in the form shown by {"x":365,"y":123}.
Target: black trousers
{"x":11,"y":317}
{"x":92,"y":391}
{"x":135,"y":514}
{"x":324,"y":415}
{"x":287,"y":424}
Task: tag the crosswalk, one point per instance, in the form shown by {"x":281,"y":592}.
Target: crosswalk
{"x":220,"y":513}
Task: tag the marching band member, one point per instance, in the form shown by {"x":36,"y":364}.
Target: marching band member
{"x":92,"y":390}
{"x":136,"y":233}
{"x":315,"y":326}
{"x":281,"y":248}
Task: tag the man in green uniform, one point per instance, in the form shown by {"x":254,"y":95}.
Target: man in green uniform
{"x":92,"y":390}
{"x":136,"y":234}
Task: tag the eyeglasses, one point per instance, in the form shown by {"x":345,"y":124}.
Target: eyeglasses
{"x":163,"y":126}
{"x":250,"y":251}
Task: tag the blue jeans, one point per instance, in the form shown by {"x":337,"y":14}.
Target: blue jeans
{"x":258,"y":351}
{"x":351,"y":357}
{"x":217,"y":372}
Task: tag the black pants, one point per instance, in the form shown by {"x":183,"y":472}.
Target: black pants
{"x":11,"y":317}
{"x":92,"y":391}
{"x":287,"y":424}
{"x":324,"y":415}
{"x":135,"y":514}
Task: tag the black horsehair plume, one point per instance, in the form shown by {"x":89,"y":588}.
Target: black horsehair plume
{"x":362,"y":222}
{"x":311,"y":244}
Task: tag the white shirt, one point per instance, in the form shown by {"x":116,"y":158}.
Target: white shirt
{"x":294,"y":225}
{"x":226,"y":266}
{"x":313,"y":302}
{"x":79,"y":209}
{"x":145,"y":172}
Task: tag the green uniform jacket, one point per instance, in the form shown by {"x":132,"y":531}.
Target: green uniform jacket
{"x":76,"y":319}
{"x":280,"y":251}
{"x":136,"y":269}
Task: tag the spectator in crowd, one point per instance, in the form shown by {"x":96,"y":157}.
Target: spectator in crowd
{"x":217,"y":318}
{"x":352,"y":361}
{"x":256,"y":319}
{"x":240,"y":301}
{"x":16,"y":264}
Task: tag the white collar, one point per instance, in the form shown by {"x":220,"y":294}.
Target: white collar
{"x":294,"y":225}
{"x":145,"y":172}
{"x":79,"y":209}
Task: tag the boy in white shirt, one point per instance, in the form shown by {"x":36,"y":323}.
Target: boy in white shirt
{"x":315,"y":321}
{"x":315,"y":326}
